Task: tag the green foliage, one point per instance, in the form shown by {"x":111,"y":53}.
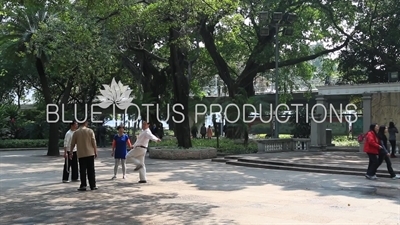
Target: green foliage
{"x":302,"y":124}
{"x":227,"y":146}
{"x":86,"y":44}
{"x":345,"y":141}
{"x":261,"y":129}
{"x":27,"y":143}
{"x":373,"y":52}
{"x":8,"y":114}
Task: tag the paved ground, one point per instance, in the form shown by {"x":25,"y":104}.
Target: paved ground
{"x":190,"y":192}
{"x":343,"y":159}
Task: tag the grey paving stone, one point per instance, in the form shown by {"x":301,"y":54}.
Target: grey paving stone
{"x":189,"y":192}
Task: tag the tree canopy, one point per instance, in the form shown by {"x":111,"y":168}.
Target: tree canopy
{"x":169,"y":50}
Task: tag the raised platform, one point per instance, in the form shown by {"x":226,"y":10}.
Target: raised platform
{"x":344,"y":163}
{"x":182,"y":154}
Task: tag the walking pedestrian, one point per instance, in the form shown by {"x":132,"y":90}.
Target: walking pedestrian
{"x":86,"y":150}
{"x":384,"y":153}
{"x":203,"y":131}
{"x":137,"y":155}
{"x":372,"y":148}
{"x":209,"y":132}
{"x":70,"y":163}
{"x":119,"y":151}
{"x":392,"y":138}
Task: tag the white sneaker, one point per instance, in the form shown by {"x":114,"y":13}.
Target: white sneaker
{"x":124,"y":177}
{"x":374,"y":177}
{"x":396,"y":177}
{"x":114,"y":177}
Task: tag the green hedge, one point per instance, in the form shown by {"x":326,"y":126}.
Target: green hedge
{"x":26,"y":143}
{"x":227,"y":146}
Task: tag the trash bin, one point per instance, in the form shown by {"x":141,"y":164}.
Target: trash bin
{"x":329,"y":137}
{"x":218,"y":127}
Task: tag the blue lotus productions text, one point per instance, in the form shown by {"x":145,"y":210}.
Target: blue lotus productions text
{"x":319,"y":113}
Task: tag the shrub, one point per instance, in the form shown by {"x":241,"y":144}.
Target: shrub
{"x":227,"y":146}
{"x":27,"y":143}
{"x":345,"y":141}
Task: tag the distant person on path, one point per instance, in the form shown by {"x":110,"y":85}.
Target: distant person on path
{"x":209,"y":132}
{"x":392,"y":138}
{"x":203,"y":131}
{"x":85,"y":141}
{"x":138,"y":153}
{"x":154,"y":130}
{"x":194,"y":131}
{"x":160,"y":131}
{"x":119,"y":151}
{"x":224,"y":130}
{"x":372,"y":148}
{"x":70,"y":163}
{"x":102,"y":136}
{"x":384,"y":153}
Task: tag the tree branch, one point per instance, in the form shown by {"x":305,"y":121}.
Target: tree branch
{"x":384,"y":57}
{"x":370,"y":23}
{"x":101,"y":19}
{"x":148,"y":53}
{"x":290,"y":62}
{"x":220,"y":63}
{"x":246,"y":41}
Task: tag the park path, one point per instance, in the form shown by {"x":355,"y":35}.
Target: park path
{"x":189,"y":192}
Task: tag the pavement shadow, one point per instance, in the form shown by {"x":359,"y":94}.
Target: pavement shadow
{"x":29,"y":195}
{"x":214,"y":176}
{"x":59,"y":206}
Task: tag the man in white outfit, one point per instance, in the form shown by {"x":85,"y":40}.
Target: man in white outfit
{"x":138,"y":153}
{"x":70,"y":162}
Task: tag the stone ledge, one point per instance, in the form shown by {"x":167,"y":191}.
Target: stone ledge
{"x":182,"y":154}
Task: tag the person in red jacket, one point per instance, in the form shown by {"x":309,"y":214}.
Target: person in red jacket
{"x":372,"y":148}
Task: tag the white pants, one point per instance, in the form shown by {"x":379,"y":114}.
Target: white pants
{"x":136,"y":156}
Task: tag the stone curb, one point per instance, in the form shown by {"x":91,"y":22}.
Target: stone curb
{"x":312,"y":168}
{"x":303,"y":169}
{"x":22,"y":149}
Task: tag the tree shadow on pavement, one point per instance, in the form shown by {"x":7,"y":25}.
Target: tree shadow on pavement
{"x":214,"y":176}
{"x":29,"y":193}
{"x":34,"y":198}
{"x":124,"y":205}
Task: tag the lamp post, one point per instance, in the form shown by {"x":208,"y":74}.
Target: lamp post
{"x":278,"y":20}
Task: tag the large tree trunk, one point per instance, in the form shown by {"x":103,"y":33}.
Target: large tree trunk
{"x":52,"y":148}
{"x":54,"y":134}
{"x":245,"y":85}
{"x":152,"y":84}
{"x":181,"y":91}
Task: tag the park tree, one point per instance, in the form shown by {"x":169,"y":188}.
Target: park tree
{"x":65,"y":47}
{"x":19,"y":24}
{"x":231,"y":35}
{"x":374,"y":51}
{"x":158,"y":47}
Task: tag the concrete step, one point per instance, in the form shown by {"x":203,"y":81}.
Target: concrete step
{"x":232,"y":157}
{"x":342,"y":149}
{"x":313,"y":166}
{"x":220,"y":160}
{"x":303,"y":169}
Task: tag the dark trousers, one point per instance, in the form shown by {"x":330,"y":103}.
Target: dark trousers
{"x":86,"y":165}
{"x":102,"y":140}
{"x":71,"y":167}
{"x":393,"y":144}
{"x":374,"y":162}
{"x":203,"y":136}
{"x":388,"y":164}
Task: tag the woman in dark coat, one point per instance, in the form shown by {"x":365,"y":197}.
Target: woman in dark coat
{"x":384,"y":153}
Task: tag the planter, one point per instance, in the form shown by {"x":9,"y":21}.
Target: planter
{"x":182,"y":154}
